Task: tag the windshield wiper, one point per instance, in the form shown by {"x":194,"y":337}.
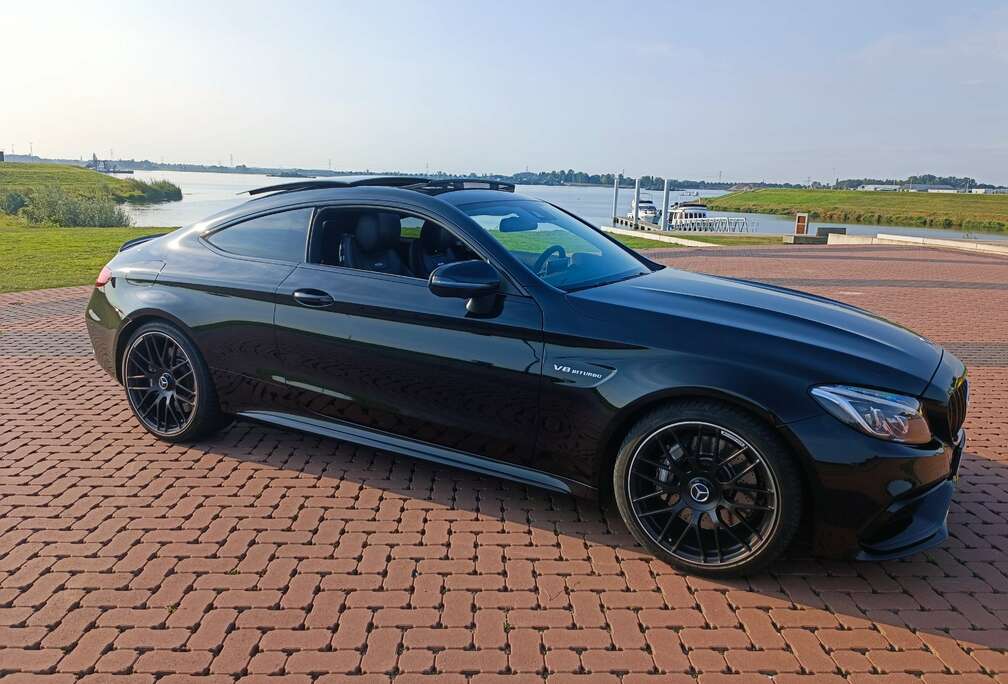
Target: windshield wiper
{"x":600,"y":283}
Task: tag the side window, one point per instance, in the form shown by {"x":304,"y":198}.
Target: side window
{"x":411,"y":227}
{"x":383,"y":241}
{"x":279,"y":236}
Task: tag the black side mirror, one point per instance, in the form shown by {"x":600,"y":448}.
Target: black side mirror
{"x":475,"y":280}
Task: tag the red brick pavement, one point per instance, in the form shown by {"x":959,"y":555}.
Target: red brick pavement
{"x":262,"y":553}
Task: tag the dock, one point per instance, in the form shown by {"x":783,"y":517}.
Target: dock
{"x":710,"y":224}
{"x":707,"y":224}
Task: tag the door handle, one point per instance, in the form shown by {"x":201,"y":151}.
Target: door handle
{"x":314,"y":298}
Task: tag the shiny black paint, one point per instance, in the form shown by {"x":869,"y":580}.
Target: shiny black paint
{"x":393,"y":356}
{"x":541,"y":387}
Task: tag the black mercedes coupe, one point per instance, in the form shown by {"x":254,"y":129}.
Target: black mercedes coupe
{"x":461,"y":323}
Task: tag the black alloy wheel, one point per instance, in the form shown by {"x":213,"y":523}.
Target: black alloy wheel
{"x":706,"y":498}
{"x":167,"y":384}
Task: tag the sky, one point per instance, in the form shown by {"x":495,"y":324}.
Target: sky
{"x":742,"y":91}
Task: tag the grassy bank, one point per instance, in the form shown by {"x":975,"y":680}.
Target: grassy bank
{"x":934,"y":210}
{"x":63,"y":195}
{"x":35,"y":257}
{"x":729,"y":239}
{"x":75,"y":180}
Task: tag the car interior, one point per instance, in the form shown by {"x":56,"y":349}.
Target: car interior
{"x":383,"y":241}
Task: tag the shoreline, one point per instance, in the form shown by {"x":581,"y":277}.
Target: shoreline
{"x":938,"y":211}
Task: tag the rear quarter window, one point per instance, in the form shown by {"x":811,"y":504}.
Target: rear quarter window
{"x":281,"y":236}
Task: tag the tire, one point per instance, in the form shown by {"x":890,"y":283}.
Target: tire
{"x":168,"y":386}
{"x":708,"y":488}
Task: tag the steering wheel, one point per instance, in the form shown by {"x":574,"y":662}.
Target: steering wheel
{"x":540,"y":262}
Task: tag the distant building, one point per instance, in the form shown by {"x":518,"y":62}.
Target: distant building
{"x":982,"y":191}
{"x":927,"y":187}
{"x":879,"y":188}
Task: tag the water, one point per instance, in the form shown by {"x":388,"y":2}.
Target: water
{"x":204,"y":194}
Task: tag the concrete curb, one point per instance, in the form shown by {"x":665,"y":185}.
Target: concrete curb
{"x":657,"y":237}
{"x":886,"y":239}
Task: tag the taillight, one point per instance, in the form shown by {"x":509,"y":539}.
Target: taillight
{"x":103,"y":277}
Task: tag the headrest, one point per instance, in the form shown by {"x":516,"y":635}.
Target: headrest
{"x":434,"y":238}
{"x":331,"y":228}
{"x":377,"y":231}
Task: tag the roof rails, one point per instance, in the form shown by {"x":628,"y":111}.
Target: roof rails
{"x":420,"y":184}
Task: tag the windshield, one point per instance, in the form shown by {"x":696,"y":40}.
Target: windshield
{"x":558,"y":248}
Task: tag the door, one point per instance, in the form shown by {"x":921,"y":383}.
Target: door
{"x":382,"y":352}
{"x":222,"y":285}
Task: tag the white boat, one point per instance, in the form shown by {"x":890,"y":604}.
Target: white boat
{"x":646,"y":210}
{"x":685,"y":212}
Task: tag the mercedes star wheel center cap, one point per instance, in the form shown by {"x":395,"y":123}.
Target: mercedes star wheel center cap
{"x":700,"y":491}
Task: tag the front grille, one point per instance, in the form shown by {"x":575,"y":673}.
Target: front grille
{"x":957,"y":408}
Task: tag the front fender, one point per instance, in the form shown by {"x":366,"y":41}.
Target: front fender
{"x":583,"y":420}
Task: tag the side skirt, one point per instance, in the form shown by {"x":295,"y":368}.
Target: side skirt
{"x":423,"y":451}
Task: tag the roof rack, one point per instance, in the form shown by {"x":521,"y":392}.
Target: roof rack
{"x":418,"y":183}
{"x":440,"y":185}
{"x":389,"y":181}
{"x":318,"y":184}
{"x":300,"y":185}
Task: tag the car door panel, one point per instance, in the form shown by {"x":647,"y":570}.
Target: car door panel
{"x":389,"y":355}
{"x":227,"y":303}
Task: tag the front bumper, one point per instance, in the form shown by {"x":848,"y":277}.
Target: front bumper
{"x":876,"y":500}
{"x":911,"y":525}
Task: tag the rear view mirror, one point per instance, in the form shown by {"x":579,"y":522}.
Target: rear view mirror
{"x":475,"y":280}
{"x":518,"y":224}
{"x":464,"y":279}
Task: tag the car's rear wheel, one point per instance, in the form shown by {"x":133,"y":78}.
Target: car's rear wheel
{"x":168,"y":386}
{"x":708,"y":488}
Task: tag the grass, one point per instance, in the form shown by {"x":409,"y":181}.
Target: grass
{"x":731,"y":239}
{"x":76,"y":180}
{"x":538,"y":241}
{"x":934,"y":210}
{"x":634,"y":242}
{"x":35,"y":257}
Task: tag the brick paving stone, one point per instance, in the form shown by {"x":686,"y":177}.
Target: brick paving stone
{"x":261,"y":555}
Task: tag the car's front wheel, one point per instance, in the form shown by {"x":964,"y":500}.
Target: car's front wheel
{"x":708,"y":488}
{"x":168,"y":386}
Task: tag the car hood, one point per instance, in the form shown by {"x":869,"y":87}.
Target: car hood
{"x":828,"y":340}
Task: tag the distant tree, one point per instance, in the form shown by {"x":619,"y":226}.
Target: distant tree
{"x":957,"y":182}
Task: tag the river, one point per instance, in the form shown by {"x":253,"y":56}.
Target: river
{"x":204,"y":194}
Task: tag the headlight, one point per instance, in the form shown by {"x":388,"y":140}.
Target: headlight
{"x":894,"y":417}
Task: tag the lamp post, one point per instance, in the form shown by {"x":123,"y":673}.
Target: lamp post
{"x":636,"y":201}
{"x":615,"y":195}
{"x":664,"y":208}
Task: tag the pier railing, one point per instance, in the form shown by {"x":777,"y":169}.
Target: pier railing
{"x":710,"y":224}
